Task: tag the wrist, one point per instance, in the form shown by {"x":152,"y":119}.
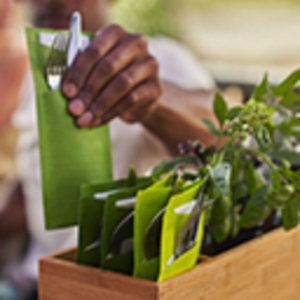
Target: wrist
{"x":152,"y":116}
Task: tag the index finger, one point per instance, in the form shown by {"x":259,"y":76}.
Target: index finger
{"x":103,"y":43}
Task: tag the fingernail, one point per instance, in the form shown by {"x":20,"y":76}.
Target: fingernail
{"x":70,"y":89}
{"x":76,"y":107}
{"x":85,"y":120}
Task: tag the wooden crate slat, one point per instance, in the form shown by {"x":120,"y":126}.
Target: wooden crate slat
{"x":265,"y":268}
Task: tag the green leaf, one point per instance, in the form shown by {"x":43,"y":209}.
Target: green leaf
{"x":280,"y":196}
{"x":291,"y":101}
{"x":276,"y":179}
{"x":132,"y":178}
{"x":282,"y":112}
{"x":262,"y":89}
{"x":295,"y":128}
{"x":234,"y":112}
{"x":169,"y":165}
{"x":234,"y":156}
{"x":235,"y":218}
{"x":220,"y":109}
{"x":291,"y":156}
{"x":257,"y":209}
{"x":222,"y":231}
{"x":254,"y":180}
{"x":291,"y":128}
{"x":179,"y":184}
{"x":263,"y":137}
{"x":221,"y":176}
{"x":287,"y":85}
{"x":211,"y":127}
{"x":289,"y":213}
{"x":294,"y":177}
{"x":220,"y":211}
{"x":239,"y":191}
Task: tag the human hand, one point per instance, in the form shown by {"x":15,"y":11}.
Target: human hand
{"x":114,"y":77}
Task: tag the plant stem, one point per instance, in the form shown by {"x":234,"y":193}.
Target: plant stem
{"x":265,"y":159}
{"x":219,"y":140}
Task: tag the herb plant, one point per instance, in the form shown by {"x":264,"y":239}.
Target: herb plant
{"x":252,"y":169}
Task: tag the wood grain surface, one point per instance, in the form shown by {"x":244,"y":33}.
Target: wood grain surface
{"x":265,"y":268}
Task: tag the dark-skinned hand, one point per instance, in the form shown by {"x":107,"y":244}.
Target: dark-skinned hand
{"x":115,"y":76}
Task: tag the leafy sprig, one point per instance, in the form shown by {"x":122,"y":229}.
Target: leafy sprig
{"x":251,"y":183}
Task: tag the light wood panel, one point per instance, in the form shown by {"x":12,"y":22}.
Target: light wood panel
{"x":265,"y":268}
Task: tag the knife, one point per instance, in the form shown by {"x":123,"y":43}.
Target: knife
{"x":75,"y":41}
{"x":187,"y":238}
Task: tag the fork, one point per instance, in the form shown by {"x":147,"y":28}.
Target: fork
{"x":57,"y":61}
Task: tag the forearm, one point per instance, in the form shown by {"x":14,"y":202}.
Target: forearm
{"x":178,"y":117}
{"x":173,"y":127}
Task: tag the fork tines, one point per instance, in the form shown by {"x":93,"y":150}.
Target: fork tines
{"x":57,"y":62}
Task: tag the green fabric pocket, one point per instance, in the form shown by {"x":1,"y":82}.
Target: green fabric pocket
{"x":69,"y":156}
{"x":150,"y":202}
{"x":174,"y":220}
{"x":90,"y":216}
{"x":92,"y":202}
{"x":115,"y":255}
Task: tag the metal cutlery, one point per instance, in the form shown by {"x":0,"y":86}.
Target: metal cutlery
{"x":57,"y":61}
{"x":63,"y":52}
{"x":75,"y":41}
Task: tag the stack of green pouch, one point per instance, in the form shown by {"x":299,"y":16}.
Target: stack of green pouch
{"x":149,"y":202}
{"x":70,"y":156}
{"x":95,"y":199}
{"x":132,"y":226}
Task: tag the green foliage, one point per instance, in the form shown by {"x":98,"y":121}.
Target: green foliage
{"x":220,"y":109}
{"x":249,"y":184}
{"x":211,"y":127}
{"x":169,"y":165}
{"x":220,"y":211}
{"x":222,"y":231}
{"x":221,"y":175}
{"x":253,"y":179}
{"x":261,"y":92}
{"x":245,"y":195}
{"x":257,"y":209}
{"x":290,"y":214}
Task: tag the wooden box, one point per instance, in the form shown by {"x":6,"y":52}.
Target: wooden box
{"x":262,"y":269}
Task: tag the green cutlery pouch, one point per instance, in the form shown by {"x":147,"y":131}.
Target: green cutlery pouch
{"x":69,"y":156}
{"x":117,"y":253}
{"x":92,"y":202}
{"x":177,"y":215}
{"x":149,"y":203}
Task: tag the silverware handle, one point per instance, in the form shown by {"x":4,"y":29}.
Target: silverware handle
{"x":75,"y":38}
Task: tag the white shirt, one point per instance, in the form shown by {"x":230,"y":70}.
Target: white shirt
{"x":132,"y":144}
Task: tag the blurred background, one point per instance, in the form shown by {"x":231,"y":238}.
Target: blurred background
{"x":237,"y":41}
{"x":13,"y":65}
